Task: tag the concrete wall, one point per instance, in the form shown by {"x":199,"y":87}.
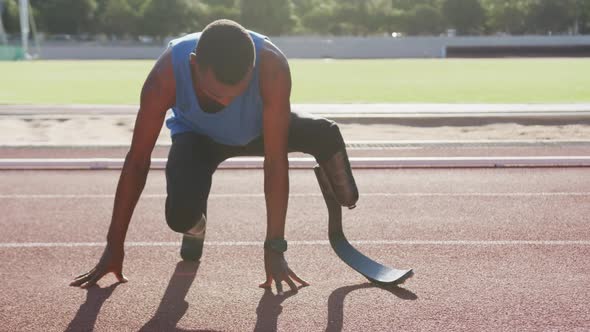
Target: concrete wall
{"x":92,"y":51}
{"x":323,"y":47}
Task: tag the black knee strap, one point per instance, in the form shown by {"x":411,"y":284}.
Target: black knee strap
{"x":198,"y":230}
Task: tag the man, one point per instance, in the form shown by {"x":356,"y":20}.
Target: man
{"x":229,"y":91}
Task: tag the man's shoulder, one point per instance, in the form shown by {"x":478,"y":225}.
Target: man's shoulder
{"x":186,"y":39}
{"x":160,"y":86}
{"x":272,"y":57}
{"x":275,"y":75}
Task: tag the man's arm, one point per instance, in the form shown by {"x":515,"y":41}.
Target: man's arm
{"x":157,"y":96}
{"x":275,"y":87}
{"x":275,"y":81}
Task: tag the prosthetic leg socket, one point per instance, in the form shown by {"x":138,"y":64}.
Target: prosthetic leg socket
{"x":339,"y":176}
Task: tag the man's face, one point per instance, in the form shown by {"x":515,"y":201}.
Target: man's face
{"x":213,"y":94}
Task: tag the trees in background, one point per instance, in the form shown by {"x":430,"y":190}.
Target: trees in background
{"x":272,"y":17}
{"x":118,"y":17}
{"x":551,"y":16}
{"x":507,"y":16}
{"x":65,"y":16}
{"x":582,"y":20}
{"x":207,"y":11}
{"x":315,"y":16}
{"x":10,"y":16}
{"x":159,"y":18}
{"x":424,"y":19}
{"x":466,"y":16}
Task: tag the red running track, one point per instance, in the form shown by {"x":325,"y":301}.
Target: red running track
{"x":493,"y":249}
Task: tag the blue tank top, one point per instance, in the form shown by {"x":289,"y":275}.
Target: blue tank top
{"x":237,"y":124}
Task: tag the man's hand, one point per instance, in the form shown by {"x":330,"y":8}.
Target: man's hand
{"x":278,"y":270}
{"x":111,"y":261}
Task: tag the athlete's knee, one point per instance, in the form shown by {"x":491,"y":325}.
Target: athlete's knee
{"x":328,"y":129}
{"x":328,"y":140}
{"x":181,"y":218}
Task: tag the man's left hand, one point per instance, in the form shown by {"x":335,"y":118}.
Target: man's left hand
{"x":278,"y":270}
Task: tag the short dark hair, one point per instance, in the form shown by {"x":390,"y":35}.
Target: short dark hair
{"x":227,"y":48}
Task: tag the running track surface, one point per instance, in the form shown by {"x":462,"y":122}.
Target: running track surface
{"x":492,"y":249}
{"x":411,"y":151}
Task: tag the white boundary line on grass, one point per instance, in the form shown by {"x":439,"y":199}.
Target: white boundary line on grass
{"x":8,"y":245}
{"x":328,"y":108}
{"x":307,"y":162}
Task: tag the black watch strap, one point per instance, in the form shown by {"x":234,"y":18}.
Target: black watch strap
{"x":277,"y":245}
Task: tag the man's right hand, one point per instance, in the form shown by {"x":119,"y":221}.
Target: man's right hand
{"x":111,"y":261}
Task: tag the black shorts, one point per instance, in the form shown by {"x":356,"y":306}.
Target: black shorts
{"x":193,"y":159}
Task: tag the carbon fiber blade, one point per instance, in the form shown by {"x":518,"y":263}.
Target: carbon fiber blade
{"x":375,"y":272}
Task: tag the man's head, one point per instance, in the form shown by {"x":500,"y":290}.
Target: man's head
{"x":223,"y":60}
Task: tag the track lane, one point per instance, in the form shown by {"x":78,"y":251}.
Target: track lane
{"x":457,"y":287}
{"x":494,"y":218}
{"x":476,"y":289}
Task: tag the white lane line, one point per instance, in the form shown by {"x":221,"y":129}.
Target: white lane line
{"x":312,"y":243}
{"x":466,"y":194}
{"x":307,"y":162}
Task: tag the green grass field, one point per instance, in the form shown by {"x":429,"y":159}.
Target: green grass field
{"x":322,"y":81}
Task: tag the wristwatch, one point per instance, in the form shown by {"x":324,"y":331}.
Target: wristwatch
{"x":277,"y":245}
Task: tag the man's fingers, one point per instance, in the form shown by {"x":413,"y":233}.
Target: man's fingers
{"x":82,"y":279}
{"x":79,"y":279}
{"x":95,"y":278}
{"x":85,"y":274}
{"x":290,"y":283}
{"x":279,"y":286}
{"x":89,"y":279}
{"x":296,"y":278}
{"x":121,"y":277}
{"x":267,"y":283}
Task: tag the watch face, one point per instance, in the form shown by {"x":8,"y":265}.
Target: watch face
{"x":281,"y":246}
{"x":278,"y":245}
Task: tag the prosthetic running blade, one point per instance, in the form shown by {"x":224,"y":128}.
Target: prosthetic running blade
{"x":377,"y":273}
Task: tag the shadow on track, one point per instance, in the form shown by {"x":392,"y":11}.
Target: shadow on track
{"x":336,"y":302}
{"x":173,"y":305}
{"x":88,"y":312}
{"x":268,"y":310}
{"x":269,"y":307}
